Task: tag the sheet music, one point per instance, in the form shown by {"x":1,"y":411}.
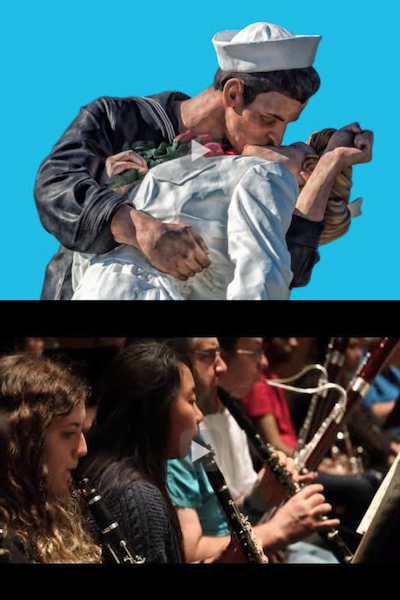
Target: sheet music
{"x":377,"y":499}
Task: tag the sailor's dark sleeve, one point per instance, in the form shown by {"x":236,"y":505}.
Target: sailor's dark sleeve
{"x":72,"y":203}
{"x":302,"y":240}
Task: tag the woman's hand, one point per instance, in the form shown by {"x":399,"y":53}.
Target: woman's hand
{"x":351,"y":145}
{"x":123,"y":161}
{"x":117,"y":163}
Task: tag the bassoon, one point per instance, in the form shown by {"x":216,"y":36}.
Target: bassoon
{"x":321,"y":403}
{"x":374,"y":361}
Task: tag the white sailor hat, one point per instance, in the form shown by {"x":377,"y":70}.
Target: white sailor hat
{"x":264,"y":47}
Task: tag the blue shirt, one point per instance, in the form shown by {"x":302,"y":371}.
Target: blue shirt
{"x":385,"y":388}
{"x":189,"y":487}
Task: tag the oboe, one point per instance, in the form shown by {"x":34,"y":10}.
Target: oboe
{"x":238,"y":523}
{"x":113,"y":537}
{"x":356,"y":391}
{"x":320,"y":405}
{"x":268,"y":456}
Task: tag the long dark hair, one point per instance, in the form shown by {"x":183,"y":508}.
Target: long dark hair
{"x":132,"y":425}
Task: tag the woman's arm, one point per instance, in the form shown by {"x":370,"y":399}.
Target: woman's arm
{"x":302,"y":241}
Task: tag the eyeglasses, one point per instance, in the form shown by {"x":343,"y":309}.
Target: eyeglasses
{"x":210,"y":356}
{"x":257,"y":354}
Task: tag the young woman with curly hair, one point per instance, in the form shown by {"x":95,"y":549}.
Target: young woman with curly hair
{"x":44,"y":405}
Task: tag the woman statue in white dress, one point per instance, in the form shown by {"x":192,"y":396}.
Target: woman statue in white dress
{"x":241,"y":205}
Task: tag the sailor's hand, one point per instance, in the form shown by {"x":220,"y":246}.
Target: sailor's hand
{"x":175,"y":249}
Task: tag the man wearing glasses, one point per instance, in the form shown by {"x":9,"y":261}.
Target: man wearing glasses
{"x":205,"y":531}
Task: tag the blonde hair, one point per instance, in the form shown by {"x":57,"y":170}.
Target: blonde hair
{"x":337,"y":214}
{"x":33,"y":391}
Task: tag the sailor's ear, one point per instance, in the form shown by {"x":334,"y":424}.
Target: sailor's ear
{"x":233,"y":92}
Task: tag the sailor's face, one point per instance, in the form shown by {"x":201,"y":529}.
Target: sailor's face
{"x":263,"y":122}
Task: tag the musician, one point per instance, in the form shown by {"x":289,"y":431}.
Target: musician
{"x":267,"y":405}
{"x":147,"y":413}
{"x":380,"y":446}
{"x":204,"y":530}
{"x":383,"y":397}
{"x":45,"y":408}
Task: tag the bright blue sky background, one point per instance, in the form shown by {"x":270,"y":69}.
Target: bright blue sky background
{"x":58,"y":57}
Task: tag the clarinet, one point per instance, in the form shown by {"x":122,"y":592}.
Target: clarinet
{"x":114,"y":538}
{"x":356,"y":391}
{"x":319,"y":405}
{"x":267,"y":455}
{"x":238,"y":523}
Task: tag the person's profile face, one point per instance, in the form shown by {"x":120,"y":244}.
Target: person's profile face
{"x":263,"y":122}
{"x":208,"y":365}
{"x":292,"y":157}
{"x":185,"y":417}
{"x":63,"y":447}
{"x":246,"y":365}
{"x":354,"y":354}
